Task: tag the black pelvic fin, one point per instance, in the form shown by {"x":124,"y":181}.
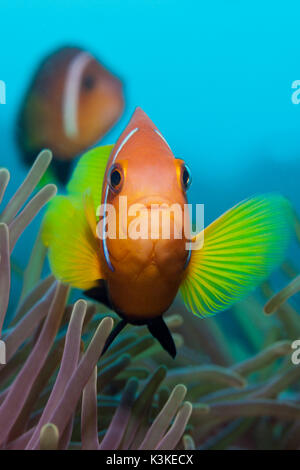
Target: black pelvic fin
{"x":117,"y":329}
{"x":99,"y":294}
{"x":161,"y":332}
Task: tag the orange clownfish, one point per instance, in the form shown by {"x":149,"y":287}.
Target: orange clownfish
{"x":70,"y":104}
{"x":139,"y":276}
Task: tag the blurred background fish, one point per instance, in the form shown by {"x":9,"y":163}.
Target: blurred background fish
{"x":71,"y":103}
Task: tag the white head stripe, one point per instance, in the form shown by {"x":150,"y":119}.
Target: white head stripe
{"x":124,"y":142}
{"x":162,"y":137}
{"x":71,"y":93}
{"x":105,"y":250}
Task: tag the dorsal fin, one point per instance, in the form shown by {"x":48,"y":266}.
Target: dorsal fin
{"x":141,"y":120}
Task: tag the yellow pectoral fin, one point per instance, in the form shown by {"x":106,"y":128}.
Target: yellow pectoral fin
{"x":69,"y":227}
{"x":70,"y":234}
{"x":241,"y":248}
{"x":89,"y":173}
{"x":89,"y":210}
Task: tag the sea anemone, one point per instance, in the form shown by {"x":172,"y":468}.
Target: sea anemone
{"x":55,"y":392}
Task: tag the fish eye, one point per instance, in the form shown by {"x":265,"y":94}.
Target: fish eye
{"x":115,"y":178}
{"x":186,"y":177}
{"x":88,"y":82}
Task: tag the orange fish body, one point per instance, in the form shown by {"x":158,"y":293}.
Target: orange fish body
{"x":71,"y":103}
{"x":136,"y":257}
{"x":151,"y":175}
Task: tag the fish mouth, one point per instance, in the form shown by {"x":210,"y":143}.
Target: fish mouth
{"x":156,"y":218}
{"x":150,"y":201}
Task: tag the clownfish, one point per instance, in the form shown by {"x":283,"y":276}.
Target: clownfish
{"x":71,"y":103}
{"x":139,"y":277}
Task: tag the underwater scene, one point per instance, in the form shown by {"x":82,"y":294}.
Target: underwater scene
{"x":149,"y":226}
